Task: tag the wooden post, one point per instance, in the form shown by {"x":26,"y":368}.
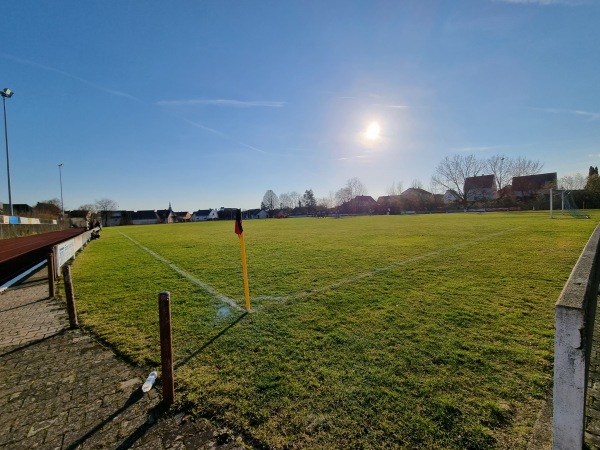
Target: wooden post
{"x":51,"y":275}
{"x":166,"y":347}
{"x":71,"y":309}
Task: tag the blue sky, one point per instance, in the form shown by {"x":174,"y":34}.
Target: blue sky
{"x":211,"y":103}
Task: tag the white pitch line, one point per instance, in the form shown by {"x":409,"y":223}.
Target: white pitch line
{"x":190,"y":277}
{"x":284,"y":298}
{"x":379,"y":270}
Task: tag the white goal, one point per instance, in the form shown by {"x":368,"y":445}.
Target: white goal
{"x":564,"y":198}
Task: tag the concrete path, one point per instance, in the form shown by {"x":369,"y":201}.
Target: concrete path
{"x":592,"y":428}
{"x":61,"y":389}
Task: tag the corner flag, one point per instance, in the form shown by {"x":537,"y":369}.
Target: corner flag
{"x":239,"y":230}
{"x":238,"y":222}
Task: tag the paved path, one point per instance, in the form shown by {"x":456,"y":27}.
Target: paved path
{"x":592,"y":430}
{"x":61,"y":389}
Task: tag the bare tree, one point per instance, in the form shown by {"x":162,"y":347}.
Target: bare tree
{"x":416,"y":184}
{"x":270,"y":201}
{"x":89,"y":207}
{"x":395,"y":188}
{"x":50,"y":207}
{"x":521,"y":167}
{"x":452,"y":172}
{"x":295,"y":198}
{"x":435,"y":188}
{"x":572,"y":182}
{"x":579,"y":181}
{"x":285,"y":201}
{"x":324,"y":203}
{"x":501,"y":167}
{"x":355,"y":187}
{"x":105,"y":206}
{"x":343,"y":195}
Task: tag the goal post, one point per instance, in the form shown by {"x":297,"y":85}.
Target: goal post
{"x":567,"y":204}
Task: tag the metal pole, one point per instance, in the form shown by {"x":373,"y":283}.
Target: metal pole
{"x":10,"y":205}
{"x":62,"y":205}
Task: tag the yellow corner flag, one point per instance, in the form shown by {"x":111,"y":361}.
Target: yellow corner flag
{"x":240,"y":232}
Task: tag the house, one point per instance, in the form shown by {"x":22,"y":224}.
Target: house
{"x":166,"y":215}
{"x":146,"y":217}
{"x":531,"y":185}
{"x":205,"y":214}
{"x":481,"y":187}
{"x":416,"y":199}
{"x":20,"y":209}
{"x":256,"y":214}
{"x":183,"y":216}
{"x":361,"y":204}
{"x":226,"y":213}
{"x":114,"y":218}
{"x":450,"y":196}
{"x":80,"y":218}
{"x":389,"y":204}
{"x":416,"y":193}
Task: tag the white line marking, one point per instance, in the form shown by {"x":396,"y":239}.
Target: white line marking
{"x":190,"y":277}
{"x":379,"y":270}
{"x":300,"y":295}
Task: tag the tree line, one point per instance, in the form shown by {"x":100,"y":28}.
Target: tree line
{"x":449,"y":175}
{"x":308,"y":203}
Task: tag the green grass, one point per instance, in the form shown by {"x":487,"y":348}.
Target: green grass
{"x":448,"y":345}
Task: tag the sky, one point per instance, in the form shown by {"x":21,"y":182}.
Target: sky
{"x":209,"y":104}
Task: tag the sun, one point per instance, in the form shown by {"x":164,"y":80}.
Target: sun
{"x":373,"y":131}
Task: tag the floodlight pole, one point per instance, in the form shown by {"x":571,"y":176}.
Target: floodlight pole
{"x":7,"y":93}
{"x":62,"y":205}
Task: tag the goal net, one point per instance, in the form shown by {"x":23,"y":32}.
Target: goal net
{"x":563,"y":200}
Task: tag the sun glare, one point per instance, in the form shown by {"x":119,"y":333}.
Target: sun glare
{"x":372,"y":132}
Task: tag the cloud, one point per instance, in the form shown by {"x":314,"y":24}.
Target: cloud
{"x":390,"y":106}
{"x":73,"y":77}
{"x":224,"y":136}
{"x":348,"y":158}
{"x":591,"y":116}
{"x":224,"y":102}
{"x":545,"y":2}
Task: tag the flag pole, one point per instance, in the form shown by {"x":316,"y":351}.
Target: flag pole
{"x":240,"y":232}
{"x":245,"y":271}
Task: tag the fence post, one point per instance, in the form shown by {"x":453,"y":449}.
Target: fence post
{"x":574,"y":323}
{"x":71,"y":309}
{"x":166,"y":347}
{"x":51,"y":275}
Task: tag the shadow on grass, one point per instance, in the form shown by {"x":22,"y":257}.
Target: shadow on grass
{"x":209,"y":342}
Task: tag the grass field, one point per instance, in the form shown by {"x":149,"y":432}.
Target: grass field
{"x":428,"y":331}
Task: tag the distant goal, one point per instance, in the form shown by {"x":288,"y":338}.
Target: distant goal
{"x":561,"y":200}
